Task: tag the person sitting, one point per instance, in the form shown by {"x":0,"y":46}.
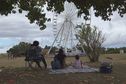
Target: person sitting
{"x":59,"y":60}
{"x":61,"y":57}
{"x":34,"y":55}
{"x":78,"y":63}
{"x":55,"y":64}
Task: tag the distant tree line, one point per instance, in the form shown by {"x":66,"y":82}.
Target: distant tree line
{"x":53,"y":50}
{"x":19,"y":49}
{"x":113,"y":50}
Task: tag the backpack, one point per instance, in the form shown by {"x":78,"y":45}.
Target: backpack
{"x":106,"y":68}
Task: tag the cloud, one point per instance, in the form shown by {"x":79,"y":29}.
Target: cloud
{"x":1,"y":47}
{"x":15,"y":28}
{"x":114,"y":30}
{"x":18,"y":26}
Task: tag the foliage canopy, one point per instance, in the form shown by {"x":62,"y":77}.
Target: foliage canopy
{"x":36,"y":14}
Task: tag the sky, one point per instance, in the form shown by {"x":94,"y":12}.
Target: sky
{"x":16,"y":28}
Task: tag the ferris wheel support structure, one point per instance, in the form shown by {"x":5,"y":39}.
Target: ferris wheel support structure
{"x":68,"y":30}
{"x":55,"y":38}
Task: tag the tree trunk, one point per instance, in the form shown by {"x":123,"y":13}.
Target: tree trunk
{"x":93,"y":58}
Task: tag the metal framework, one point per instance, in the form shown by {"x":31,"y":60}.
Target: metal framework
{"x":64,"y":32}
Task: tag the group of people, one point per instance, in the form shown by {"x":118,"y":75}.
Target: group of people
{"x":34,"y":54}
{"x":59,"y":61}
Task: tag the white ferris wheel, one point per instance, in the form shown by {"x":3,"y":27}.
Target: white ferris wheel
{"x":64,"y":29}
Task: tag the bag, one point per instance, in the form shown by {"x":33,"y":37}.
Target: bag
{"x":106,"y":68}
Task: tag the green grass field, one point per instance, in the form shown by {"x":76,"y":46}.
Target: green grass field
{"x":15,"y":72}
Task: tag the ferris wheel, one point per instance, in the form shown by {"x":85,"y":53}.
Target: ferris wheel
{"x":64,"y":28}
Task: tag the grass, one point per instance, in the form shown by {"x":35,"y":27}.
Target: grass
{"x":14,"y":72}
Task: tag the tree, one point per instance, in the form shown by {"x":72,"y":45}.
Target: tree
{"x":115,"y":50}
{"x":102,"y":8}
{"x":33,"y":7}
{"x":112,"y":50}
{"x":91,"y":39}
{"x":19,"y":49}
{"x":53,"y":50}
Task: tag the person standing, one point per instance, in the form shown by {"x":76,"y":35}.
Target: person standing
{"x":38,"y":50}
{"x":34,"y":55}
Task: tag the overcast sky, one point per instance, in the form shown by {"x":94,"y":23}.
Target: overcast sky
{"x":15,"y":28}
